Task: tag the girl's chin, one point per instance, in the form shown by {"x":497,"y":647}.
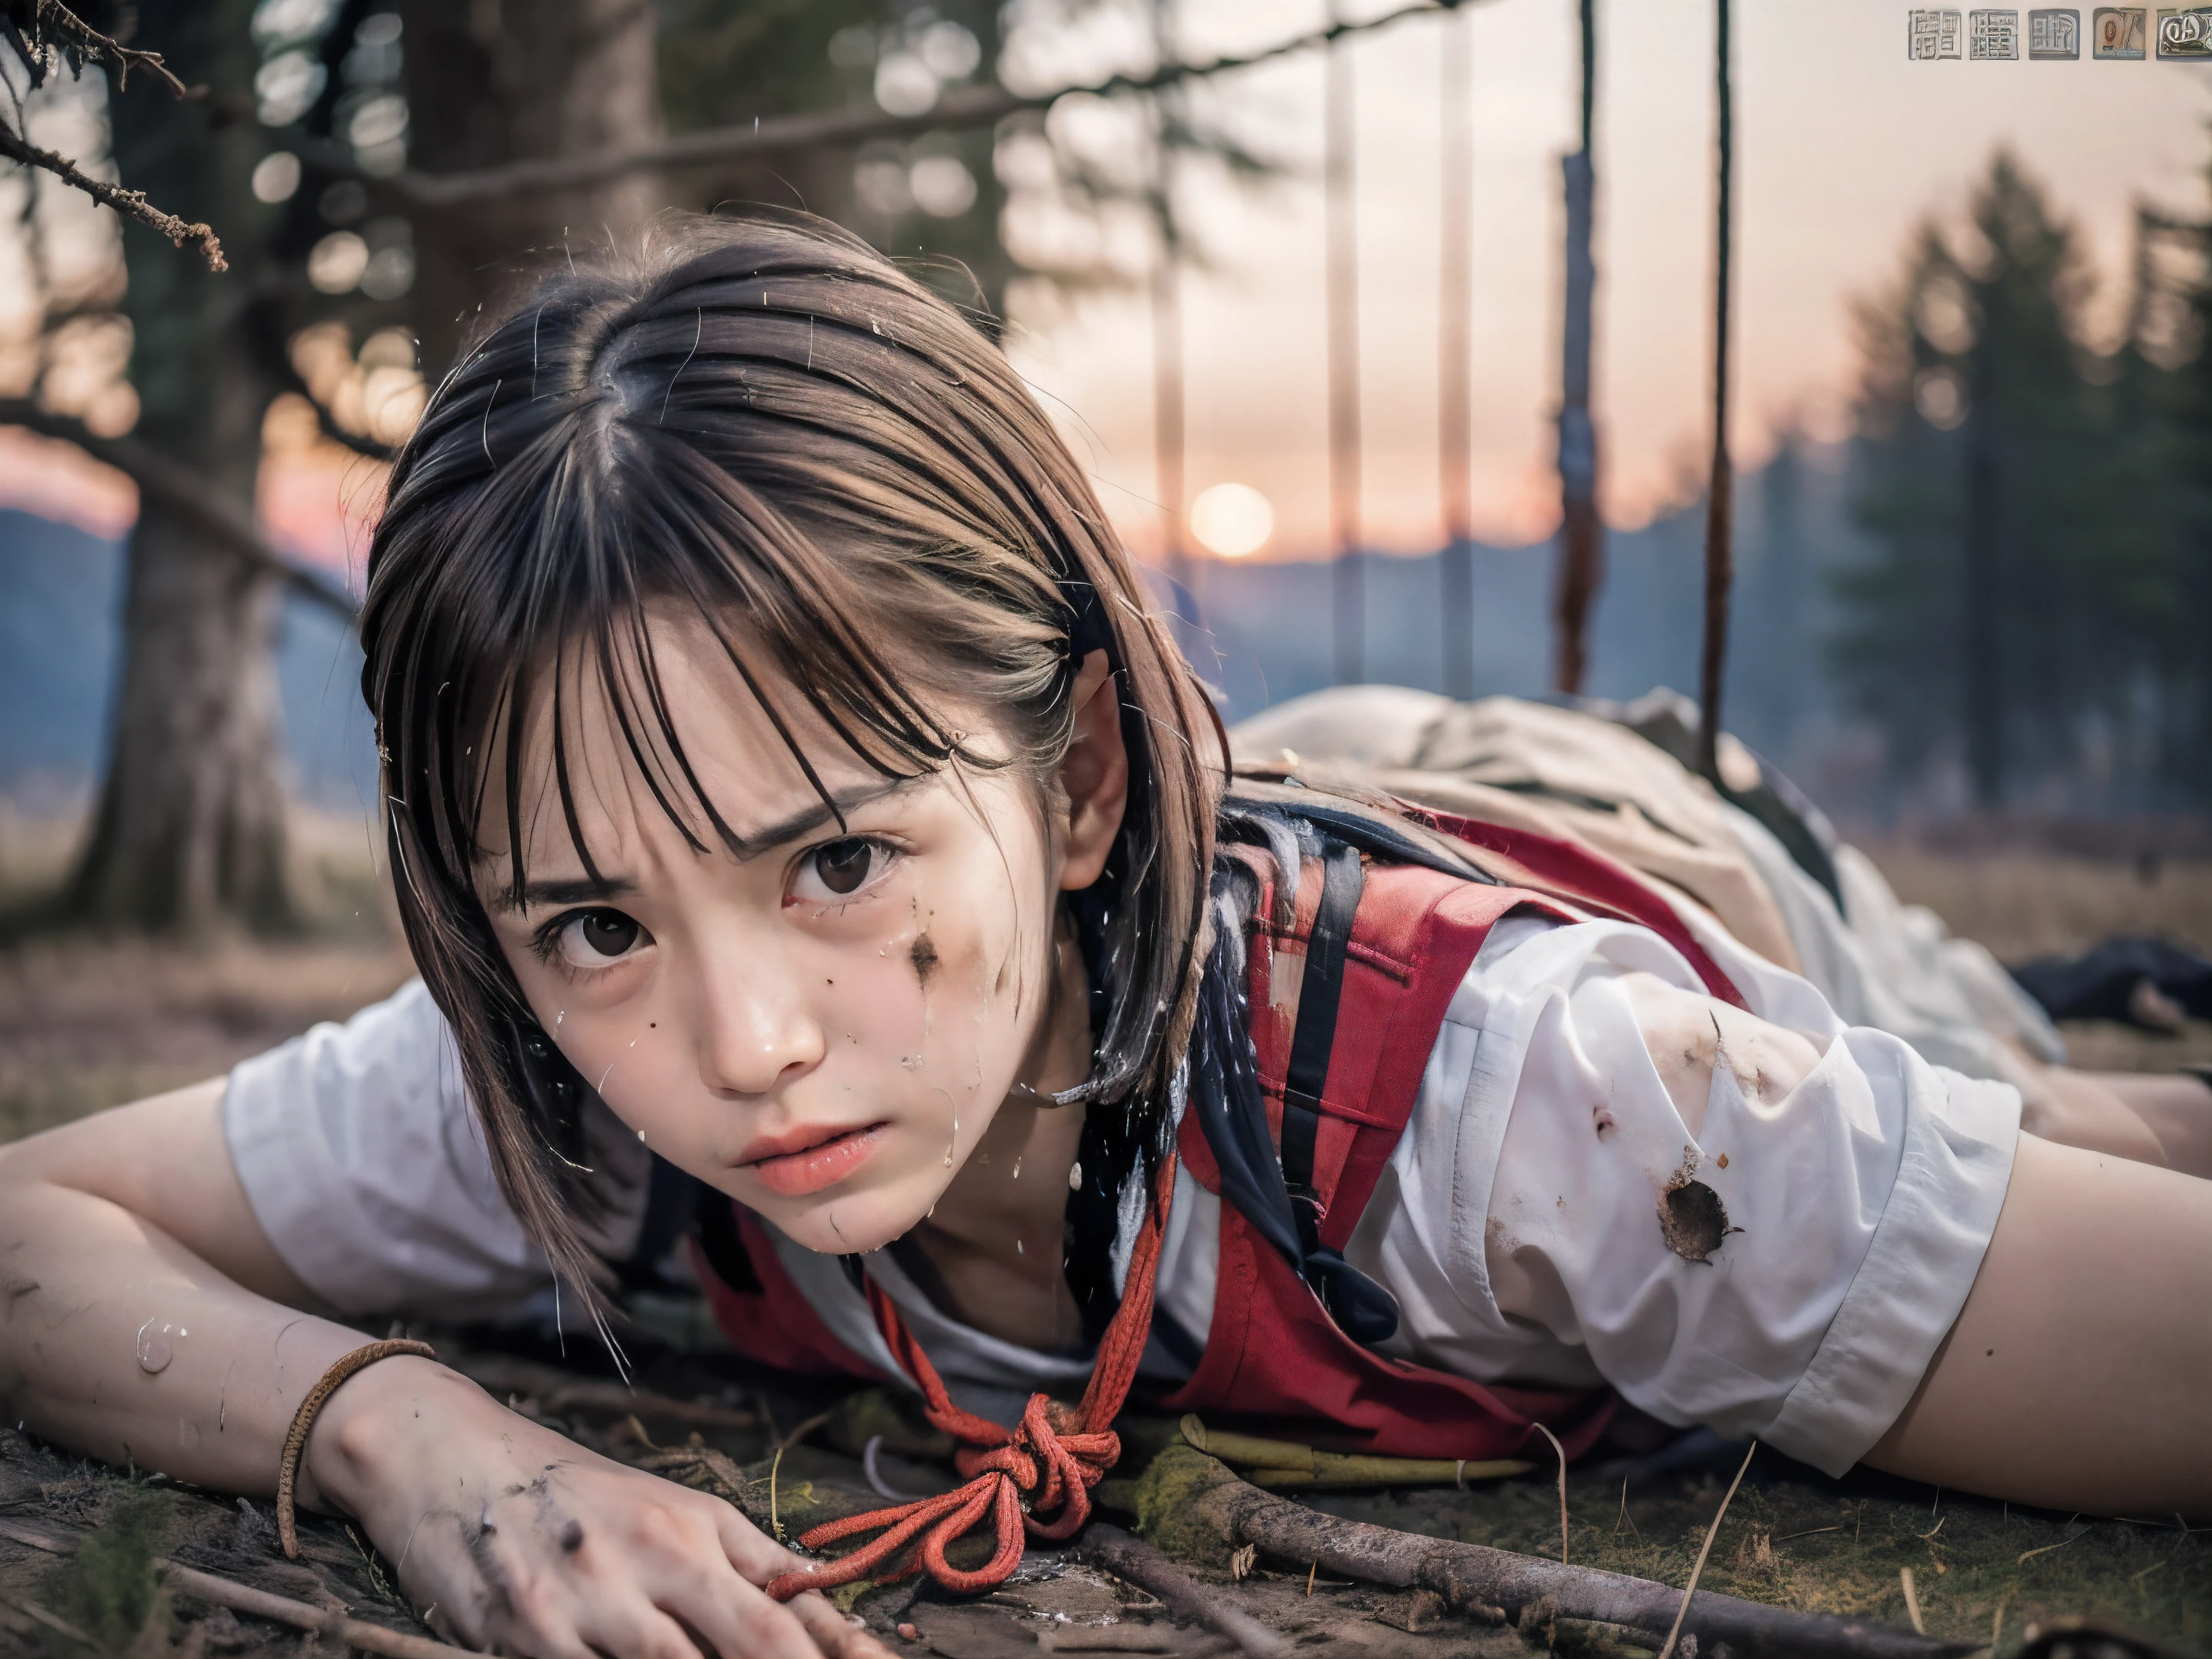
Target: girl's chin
{"x":854,"y":1225}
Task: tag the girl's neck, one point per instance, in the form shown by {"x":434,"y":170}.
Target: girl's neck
{"x":991,"y":1253}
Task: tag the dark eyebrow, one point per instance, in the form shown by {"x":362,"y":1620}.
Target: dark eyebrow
{"x":806,"y":821}
{"x":582,"y":889}
{"x":577,"y":890}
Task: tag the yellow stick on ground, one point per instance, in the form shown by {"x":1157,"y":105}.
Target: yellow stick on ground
{"x":1278,"y":1464}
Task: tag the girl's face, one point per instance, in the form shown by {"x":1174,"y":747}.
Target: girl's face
{"x":825,"y":1025}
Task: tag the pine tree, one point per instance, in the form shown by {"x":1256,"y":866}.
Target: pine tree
{"x":2004,"y":607}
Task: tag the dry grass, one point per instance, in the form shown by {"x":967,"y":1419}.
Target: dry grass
{"x":88,"y":1023}
{"x":2026,"y":904}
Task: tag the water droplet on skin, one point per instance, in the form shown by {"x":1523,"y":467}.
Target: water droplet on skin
{"x":1017,"y":1166}
{"x":154,"y":1351}
{"x":640,"y":1134}
{"x":1075,"y":1177}
{"x":1017,"y":1247}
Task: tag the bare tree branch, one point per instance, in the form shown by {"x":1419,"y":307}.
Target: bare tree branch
{"x":962,"y":107}
{"x":130,"y":204}
{"x":179,"y":489}
{"x":50,"y":17}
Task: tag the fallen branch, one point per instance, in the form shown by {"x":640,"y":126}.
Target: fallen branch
{"x":1191,"y":1503}
{"x":244,"y":1598}
{"x":177,"y":488}
{"x":961,"y":108}
{"x":1126,"y":1557}
{"x":351,"y":1632}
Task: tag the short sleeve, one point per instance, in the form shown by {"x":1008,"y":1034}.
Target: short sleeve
{"x":1847,"y":1218}
{"x":365,"y":1165}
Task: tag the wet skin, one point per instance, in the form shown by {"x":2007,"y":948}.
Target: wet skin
{"x":826,"y":1024}
{"x":506,"y":1535}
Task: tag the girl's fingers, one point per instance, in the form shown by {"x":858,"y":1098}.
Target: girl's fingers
{"x":752,"y":1551}
{"x":637,"y":1630}
{"x":837,"y":1636}
{"x":732,"y":1615}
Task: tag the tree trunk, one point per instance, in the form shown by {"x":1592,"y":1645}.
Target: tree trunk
{"x":494,"y":80}
{"x":1984,"y":589}
{"x":189,"y":833}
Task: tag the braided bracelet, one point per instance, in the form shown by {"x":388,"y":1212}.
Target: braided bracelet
{"x":295,"y":1441}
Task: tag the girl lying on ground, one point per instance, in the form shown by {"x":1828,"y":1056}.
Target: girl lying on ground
{"x":1764,"y":860}
{"x":789,"y":787}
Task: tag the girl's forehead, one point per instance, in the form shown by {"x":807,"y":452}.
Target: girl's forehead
{"x":671,"y":735}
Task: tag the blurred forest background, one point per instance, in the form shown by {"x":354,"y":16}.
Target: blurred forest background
{"x":1975,"y":630}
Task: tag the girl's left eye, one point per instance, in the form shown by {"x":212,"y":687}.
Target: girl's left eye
{"x":839,"y":869}
{"x":593,"y":938}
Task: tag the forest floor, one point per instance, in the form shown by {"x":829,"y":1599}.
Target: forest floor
{"x":85,"y":1023}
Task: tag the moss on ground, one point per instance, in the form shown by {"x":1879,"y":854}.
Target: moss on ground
{"x":108,"y":1589}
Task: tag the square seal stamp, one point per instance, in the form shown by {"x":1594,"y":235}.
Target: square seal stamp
{"x":1933,"y":32}
{"x":1992,"y":36}
{"x":2053,"y":35}
{"x":2185,"y":34}
{"x":2117,"y":33}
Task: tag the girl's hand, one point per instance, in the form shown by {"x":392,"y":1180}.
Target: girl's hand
{"x":511,"y":1537}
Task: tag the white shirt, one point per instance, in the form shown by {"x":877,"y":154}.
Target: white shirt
{"x":1865,"y":1197}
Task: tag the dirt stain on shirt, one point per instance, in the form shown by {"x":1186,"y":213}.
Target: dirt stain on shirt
{"x":1693,"y":1220}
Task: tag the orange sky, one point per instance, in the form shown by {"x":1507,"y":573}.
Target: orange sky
{"x":1843,"y":145}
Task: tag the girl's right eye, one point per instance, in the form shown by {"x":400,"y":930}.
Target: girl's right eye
{"x":597,"y":938}
{"x":839,"y":869}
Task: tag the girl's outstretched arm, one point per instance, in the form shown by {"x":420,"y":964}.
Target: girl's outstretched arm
{"x":2079,"y":1373}
{"x":143,"y":1314}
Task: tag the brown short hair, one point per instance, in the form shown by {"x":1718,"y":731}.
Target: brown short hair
{"x":764,"y":420}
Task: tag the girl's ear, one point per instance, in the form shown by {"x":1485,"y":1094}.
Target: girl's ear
{"x":1095,"y":774}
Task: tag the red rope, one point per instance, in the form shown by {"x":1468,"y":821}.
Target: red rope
{"x":1047,"y":1463}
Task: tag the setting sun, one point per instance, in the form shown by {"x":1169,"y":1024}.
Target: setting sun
{"x":1231,"y":519}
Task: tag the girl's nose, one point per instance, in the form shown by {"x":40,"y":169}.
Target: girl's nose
{"x":753,"y":1033}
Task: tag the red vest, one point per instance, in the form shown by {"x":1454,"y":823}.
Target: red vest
{"x":1275,"y":1359}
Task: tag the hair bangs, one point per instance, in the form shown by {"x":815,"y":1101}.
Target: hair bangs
{"x":765,"y":428}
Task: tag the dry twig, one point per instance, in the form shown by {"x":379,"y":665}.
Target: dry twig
{"x":130,"y":204}
{"x":1562,"y":1451}
{"x":1131,"y":1559}
{"x":80,"y":43}
{"x":84,"y":42}
{"x":244,"y":1598}
{"x":1706,"y":1549}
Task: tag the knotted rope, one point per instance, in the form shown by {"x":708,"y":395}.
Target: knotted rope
{"x":1047,"y":1463}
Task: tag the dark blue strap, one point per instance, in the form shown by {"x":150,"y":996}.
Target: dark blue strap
{"x":1275,"y":1195}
